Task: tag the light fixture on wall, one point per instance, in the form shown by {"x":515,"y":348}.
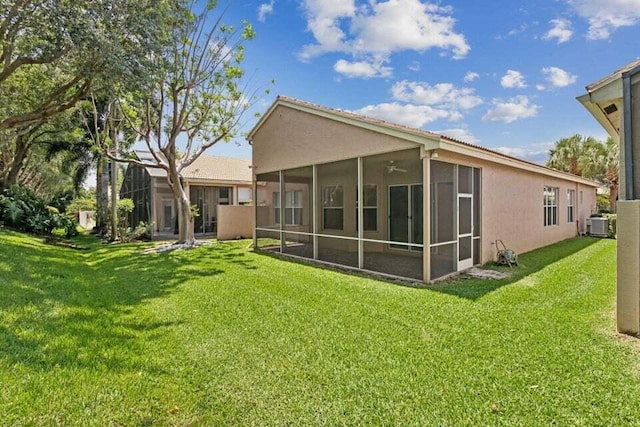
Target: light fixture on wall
{"x":434,"y":154}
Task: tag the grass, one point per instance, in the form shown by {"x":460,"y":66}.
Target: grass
{"x":220,"y":335}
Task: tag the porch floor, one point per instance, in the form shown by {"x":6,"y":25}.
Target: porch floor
{"x":388,"y":263}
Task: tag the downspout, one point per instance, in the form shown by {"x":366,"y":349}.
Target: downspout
{"x":628,"y":137}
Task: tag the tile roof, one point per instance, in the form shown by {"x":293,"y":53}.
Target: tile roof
{"x":219,"y":169}
{"x":206,"y":167}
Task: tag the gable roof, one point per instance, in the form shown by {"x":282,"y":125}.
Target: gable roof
{"x":206,"y":168}
{"x":430,"y":140}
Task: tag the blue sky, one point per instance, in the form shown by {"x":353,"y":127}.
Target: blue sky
{"x":501,"y":74}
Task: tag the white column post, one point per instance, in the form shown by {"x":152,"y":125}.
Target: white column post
{"x":360,"y":216}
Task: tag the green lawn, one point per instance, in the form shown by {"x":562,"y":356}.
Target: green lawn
{"x":222,"y":335}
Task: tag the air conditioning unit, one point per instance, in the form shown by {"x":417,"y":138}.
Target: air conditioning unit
{"x":598,"y":227}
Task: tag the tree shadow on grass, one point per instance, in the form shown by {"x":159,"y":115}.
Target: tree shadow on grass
{"x":68,"y":308}
{"x":461,"y":285}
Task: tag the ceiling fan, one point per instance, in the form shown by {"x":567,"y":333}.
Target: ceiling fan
{"x":391,"y":167}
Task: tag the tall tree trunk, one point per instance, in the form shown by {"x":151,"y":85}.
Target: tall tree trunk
{"x":114,"y":185}
{"x":13,"y":169}
{"x":185,"y":217}
{"x":613,"y":197}
{"x":102,"y":196}
{"x":185,"y":221}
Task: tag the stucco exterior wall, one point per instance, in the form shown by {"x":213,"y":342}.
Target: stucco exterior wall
{"x":291,"y":138}
{"x":512,"y":207}
{"x":512,"y":192}
{"x":235,"y":221}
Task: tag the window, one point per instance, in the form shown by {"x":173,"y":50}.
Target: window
{"x":244,"y":196}
{"x":550,"y":206}
{"x":224,"y":196}
{"x":369,"y":207}
{"x":332,"y":207}
{"x":292,"y":207}
{"x":571,"y":197}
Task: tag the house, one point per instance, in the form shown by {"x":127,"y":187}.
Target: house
{"x":210,"y":181}
{"x":354,"y":191}
{"x":614,"y":101}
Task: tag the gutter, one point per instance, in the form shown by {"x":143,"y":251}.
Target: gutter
{"x":628,"y":132}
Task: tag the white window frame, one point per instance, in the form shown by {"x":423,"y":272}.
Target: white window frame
{"x":332,"y":207}
{"x":571,"y":197}
{"x":551,"y":205}
{"x":292,"y":203}
{"x":368,"y":207}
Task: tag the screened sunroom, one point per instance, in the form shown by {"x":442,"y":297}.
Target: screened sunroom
{"x":315,"y":212}
{"x":355,"y":191}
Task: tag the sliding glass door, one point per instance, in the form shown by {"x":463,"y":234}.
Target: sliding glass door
{"x":405,"y":215}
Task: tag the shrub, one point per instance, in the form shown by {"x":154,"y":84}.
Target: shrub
{"x":613,"y":224}
{"x":141,"y":232}
{"x":21,"y":209}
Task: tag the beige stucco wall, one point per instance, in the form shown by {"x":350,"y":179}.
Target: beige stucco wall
{"x":291,"y":138}
{"x":512,"y":206}
{"x":235,"y":221}
{"x":512,"y":198}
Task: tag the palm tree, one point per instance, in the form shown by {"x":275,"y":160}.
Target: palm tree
{"x":568,"y":153}
{"x":612,"y":171}
{"x":591,"y":159}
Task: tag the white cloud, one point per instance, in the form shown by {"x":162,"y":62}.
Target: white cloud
{"x":605,"y":16}
{"x":513,"y":109}
{"x":513,"y":80}
{"x":460,"y":134}
{"x":417,"y":103}
{"x":264,"y":10}
{"x":537,"y":153}
{"x":557,"y":77}
{"x":471,"y":76}
{"x":442,"y":94}
{"x":362,"y":69}
{"x":560,"y":30}
{"x":409,"y":115}
{"x":380,"y":28}
{"x":414,"y":66}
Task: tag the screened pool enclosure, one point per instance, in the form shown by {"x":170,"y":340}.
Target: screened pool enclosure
{"x":375,"y":213}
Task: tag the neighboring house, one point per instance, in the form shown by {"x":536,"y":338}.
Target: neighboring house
{"x":210,"y":182}
{"x":431,"y":205}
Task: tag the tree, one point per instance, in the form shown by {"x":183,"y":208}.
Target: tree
{"x":589,"y":158}
{"x":196,"y":101}
{"x":602,"y":164}
{"x":569,"y":154}
{"x":76,"y":46}
{"x":53,"y":53}
{"x":25,"y":148}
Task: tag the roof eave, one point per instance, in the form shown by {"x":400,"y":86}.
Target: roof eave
{"x":429,"y":142}
{"x":598,"y":114}
{"x":490,"y":156}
